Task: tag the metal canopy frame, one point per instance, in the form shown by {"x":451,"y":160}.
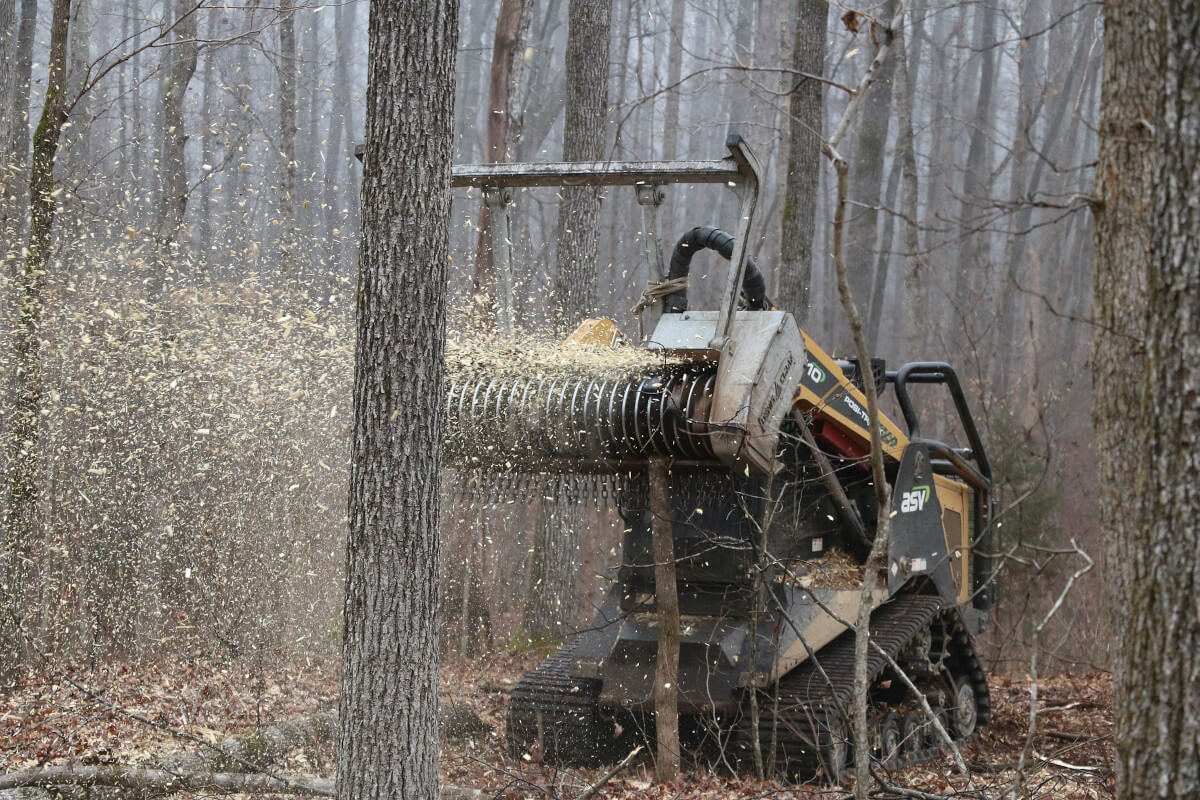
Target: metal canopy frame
{"x":739,"y":171}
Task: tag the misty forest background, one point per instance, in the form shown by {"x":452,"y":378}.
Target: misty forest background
{"x":196,"y":342}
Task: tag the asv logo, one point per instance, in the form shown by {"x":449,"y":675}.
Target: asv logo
{"x":914,"y":500}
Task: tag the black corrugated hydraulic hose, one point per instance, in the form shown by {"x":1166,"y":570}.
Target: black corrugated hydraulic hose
{"x":702,"y":238}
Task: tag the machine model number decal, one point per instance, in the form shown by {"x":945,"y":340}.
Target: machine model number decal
{"x":914,"y":500}
{"x":885,"y":435}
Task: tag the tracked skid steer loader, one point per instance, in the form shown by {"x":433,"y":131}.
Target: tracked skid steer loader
{"x":753,"y":416}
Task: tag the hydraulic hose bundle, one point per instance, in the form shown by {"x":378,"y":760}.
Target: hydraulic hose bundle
{"x":706,"y":238}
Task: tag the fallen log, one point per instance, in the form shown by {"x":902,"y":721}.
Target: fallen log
{"x":46,"y":783}
{"x":235,"y":765}
{"x":158,"y":781}
{"x":251,"y":752}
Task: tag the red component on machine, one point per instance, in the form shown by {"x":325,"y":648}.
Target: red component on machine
{"x":835,"y":440}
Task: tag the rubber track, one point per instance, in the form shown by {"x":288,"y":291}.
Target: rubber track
{"x":555,"y":718}
{"x":810,"y":703}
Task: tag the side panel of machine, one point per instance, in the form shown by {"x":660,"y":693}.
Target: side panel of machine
{"x":952,"y":496}
{"x":824,"y":387}
{"x":918,"y":542}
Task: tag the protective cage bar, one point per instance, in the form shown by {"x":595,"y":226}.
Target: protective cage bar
{"x":955,"y":461}
{"x":739,"y":171}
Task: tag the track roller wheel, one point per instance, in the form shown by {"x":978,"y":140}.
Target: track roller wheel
{"x":931,"y":739}
{"x":964,"y":714}
{"x":911,"y":737}
{"x":890,"y":745}
{"x":833,"y":750}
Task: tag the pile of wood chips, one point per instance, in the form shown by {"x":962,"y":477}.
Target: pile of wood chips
{"x":835,"y":570}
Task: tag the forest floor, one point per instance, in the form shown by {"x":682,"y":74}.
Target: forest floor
{"x":129,"y":715}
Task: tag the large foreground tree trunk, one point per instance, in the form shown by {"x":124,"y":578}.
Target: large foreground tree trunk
{"x":1125,"y":174}
{"x":1145,"y":377}
{"x":389,"y":737}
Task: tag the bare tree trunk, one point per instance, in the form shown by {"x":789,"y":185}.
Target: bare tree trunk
{"x":181,"y":57}
{"x":550,"y":605}
{"x":287,"y":141}
{"x":76,"y":142}
{"x":539,"y":111}
{"x":583,"y":140}
{"x":674,"y":71}
{"x":1128,"y":163}
{"x":389,"y":734}
{"x":20,"y":521}
{"x":207,"y":141}
{"x":978,"y":165}
{"x":1010,"y":305}
{"x":338,"y":153}
{"x":866,"y":177}
{"x":16,"y":147}
{"x":666,"y":598}
{"x":10,"y":116}
{"x":737,"y":91}
{"x":309,"y":155}
{"x":806,"y":113}
{"x":915,"y":263}
{"x":883,"y":261}
{"x":508,"y":47}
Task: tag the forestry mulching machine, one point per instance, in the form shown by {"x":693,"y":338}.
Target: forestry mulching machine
{"x":753,"y":416}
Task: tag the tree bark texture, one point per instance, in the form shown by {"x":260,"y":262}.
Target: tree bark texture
{"x":804,"y":157}
{"x":1128,"y":164}
{"x":20,"y":521}
{"x":1157,"y":718}
{"x":389,"y":734}
{"x":551,"y":605}
{"x":583,"y":140}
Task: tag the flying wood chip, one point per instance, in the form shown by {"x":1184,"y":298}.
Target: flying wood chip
{"x":852,"y":20}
